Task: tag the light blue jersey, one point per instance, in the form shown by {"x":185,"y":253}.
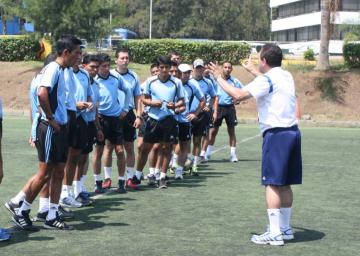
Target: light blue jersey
{"x":142,"y":89}
{"x":1,"y":110}
{"x":131,"y":80}
{"x":94,"y":95}
{"x":207,"y":89}
{"x":53,"y":79}
{"x":83,"y":90}
{"x":34,"y":102}
{"x":70,"y":89}
{"x":191,"y":91}
{"x":224,"y":98}
{"x":109,"y":104}
{"x":170,"y":90}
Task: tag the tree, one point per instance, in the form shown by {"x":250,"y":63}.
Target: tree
{"x":8,"y":9}
{"x":328,"y":10}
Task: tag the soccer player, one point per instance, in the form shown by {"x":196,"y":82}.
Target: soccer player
{"x":164,"y":96}
{"x":201,"y":124}
{"x":52,"y":136}
{"x":175,"y":56}
{"x":112,"y":115}
{"x":184,"y":119}
{"x":4,"y":233}
{"x":226,"y":110}
{"x":274,"y":91}
{"x":131,"y":122}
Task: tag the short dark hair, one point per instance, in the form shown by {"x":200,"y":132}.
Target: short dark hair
{"x":173,"y":64}
{"x":273,"y":55}
{"x":90,"y":58}
{"x":103,"y":57}
{"x":163,"y":60}
{"x":118,"y":50}
{"x":227,"y":61}
{"x":173,"y":52}
{"x":153,"y":66}
{"x":67,"y":42}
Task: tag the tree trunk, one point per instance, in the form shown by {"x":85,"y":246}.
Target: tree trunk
{"x":323,"y":60}
{"x":4,"y":29}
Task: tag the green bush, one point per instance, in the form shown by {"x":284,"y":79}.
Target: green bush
{"x":145,"y":51}
{"x":18,"y":48}
{"x":309,"y":54}
{"x":351,"y":53}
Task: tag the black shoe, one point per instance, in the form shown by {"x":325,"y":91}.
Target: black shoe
{"x":83,"y":199}
{"x":40,"y":216}
{"x":136,"y":181}
{"x":13,"y":207}
{"x":121,"y":188}
{"x":151,"y":180}
{"x":57,"y":223}
{"x":98,"y":187}
{"x":162,"y":183}
{"x":65,"y":214}
{"x":24,"y":221}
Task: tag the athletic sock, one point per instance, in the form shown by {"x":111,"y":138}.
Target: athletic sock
{"x":209,"y":150}
{"x":203,"y":152}
{"x":19,"y":197}
{"x":97,"y":177}
{"x":196,"y":160}
{"x":107,"y":172}
{"x":138,"y":174}
{"x":162,"y":175}
{"x":233,"y":151}
{"x":274,"y":220}
{"x":44,"y":204}
{"x":24,"y":207}
{"x":52,"y":211}
{"x":65,"y":191}
{"x":174,"y":160}
{"x":157,"y":174}
{"x":82,"y":180}
{"x":130,"y":172}
{"x":152,"y":171}
{"x":77,"y":188}
{"x":285,"y":217}
{"x":121,"y":178}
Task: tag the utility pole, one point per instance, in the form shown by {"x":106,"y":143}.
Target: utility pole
{"x":150,"y":22}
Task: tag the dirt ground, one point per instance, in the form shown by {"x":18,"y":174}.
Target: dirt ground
{"x":15,"y":78}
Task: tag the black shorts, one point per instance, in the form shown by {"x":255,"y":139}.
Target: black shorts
{"x":200,"y":127}
{"x":129,"y":130}
{"x":184,"y":131}
{"x":91,"y":138}
{"x":144,"y":118}
{"x":112,"y":128}
{"x":52,"y":147}
{"x":165,"y":130}
{"x":77,"y":133}
{"x":229,"y":113}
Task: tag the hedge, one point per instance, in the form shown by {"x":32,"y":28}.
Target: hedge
{"x":18,"y":48}
{"x":351,"y":53}
{"x":145,"y":51}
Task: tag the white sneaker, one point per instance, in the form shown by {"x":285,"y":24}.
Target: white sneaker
{"x":287,"y":234}
{"x":268,"y":238}
{"x":233,"y":159}
{"x":70,"y":202}
{"x":207,"y":158}
{"x":178,"y":175}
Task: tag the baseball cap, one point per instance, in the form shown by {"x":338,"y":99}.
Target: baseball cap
{"x":198,"y":63}
{"x":184,"y":68}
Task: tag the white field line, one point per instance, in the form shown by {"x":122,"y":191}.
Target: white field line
{"x":240,"y":142}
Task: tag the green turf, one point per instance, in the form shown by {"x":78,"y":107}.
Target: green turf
{"x":213,"y":214}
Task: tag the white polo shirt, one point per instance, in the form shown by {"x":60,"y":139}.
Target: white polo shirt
{"x":274,"y":93}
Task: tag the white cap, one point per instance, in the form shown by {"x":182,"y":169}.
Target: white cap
{"x":198,"y":63}
{"x":184,"y":68}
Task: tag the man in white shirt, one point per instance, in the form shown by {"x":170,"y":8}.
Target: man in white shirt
{"x":274,"y":92}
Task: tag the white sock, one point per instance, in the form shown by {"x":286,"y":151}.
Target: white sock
{"x":44,"y":204}
{"x":77,"y":187}
{"x":121,"y":178}
{"x":174,"y":160}
{"x":196,"y":160}
{"x":285,"y":217}
{"x":138,"y":175}
{"x":24,"y":207}
{"x":203,"y":152}
{"x":19,"y":197}
{"x":162,"y":175}
{"x":130,"y":172}
{"x":209,"y":150}
{"x":97,"y":177}
{"x":65,"y":191}
{"x":274,"y":220}
{"x":107,"y":171}
{"x":82,"y":180}
{"x":233,"y":151}
{"x":152,"y":171}
{"x":157,"y":174}
{"x":52,"y":211}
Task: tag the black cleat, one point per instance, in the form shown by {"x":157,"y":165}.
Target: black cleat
{"x":57,"y":223}
{"x":162,"y":183}
{"x":64,"y":213}
{"x":24,"y":221}
{"x":98,"y":187}
{"x":121,"y":188}
{"x":40,"y":216}
{"x":13,"y":207}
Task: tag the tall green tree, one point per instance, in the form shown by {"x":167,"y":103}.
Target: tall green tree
{"x":8,"y":9}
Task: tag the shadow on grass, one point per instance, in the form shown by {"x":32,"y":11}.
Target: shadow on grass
{"x":306,"y":235}
{"x":19,"y":236}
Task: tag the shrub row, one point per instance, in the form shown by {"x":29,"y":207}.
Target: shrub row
{"x":18,"y":48}
{"x":145,"y":51}
{"x":351,"y":53}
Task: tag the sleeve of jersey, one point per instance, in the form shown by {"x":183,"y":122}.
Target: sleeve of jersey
{"x":137,"y":91}
{"x":258,"y":88}
{"x":146,"y":88}
{"x":181,"y":92}
{"x":49,"y":77}
{"x":212,"y":90}
{"x":127,"y":91}
{"x":198,"y":93}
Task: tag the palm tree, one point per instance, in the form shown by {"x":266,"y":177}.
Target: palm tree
{"x":328,"y":11}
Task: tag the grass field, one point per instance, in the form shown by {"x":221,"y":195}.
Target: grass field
{"x":213,"y":214}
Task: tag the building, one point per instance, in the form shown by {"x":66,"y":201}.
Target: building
{"x":299,"y":20}
{"x":16,"y":26}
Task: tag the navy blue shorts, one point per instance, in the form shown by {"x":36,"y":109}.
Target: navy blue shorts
{"x":281,"y":157}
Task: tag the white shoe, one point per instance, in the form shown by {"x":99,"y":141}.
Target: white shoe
{"x":70,"y":202}
{"x":268,"y":238}
{"x":233,"y":159}
{"x":287,"y":234}
{"x":178,"y":175}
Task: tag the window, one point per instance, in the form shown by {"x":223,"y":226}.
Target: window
{"x":350,"y":5}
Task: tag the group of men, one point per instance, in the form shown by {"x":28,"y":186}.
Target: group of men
{"x":79,"y":102}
